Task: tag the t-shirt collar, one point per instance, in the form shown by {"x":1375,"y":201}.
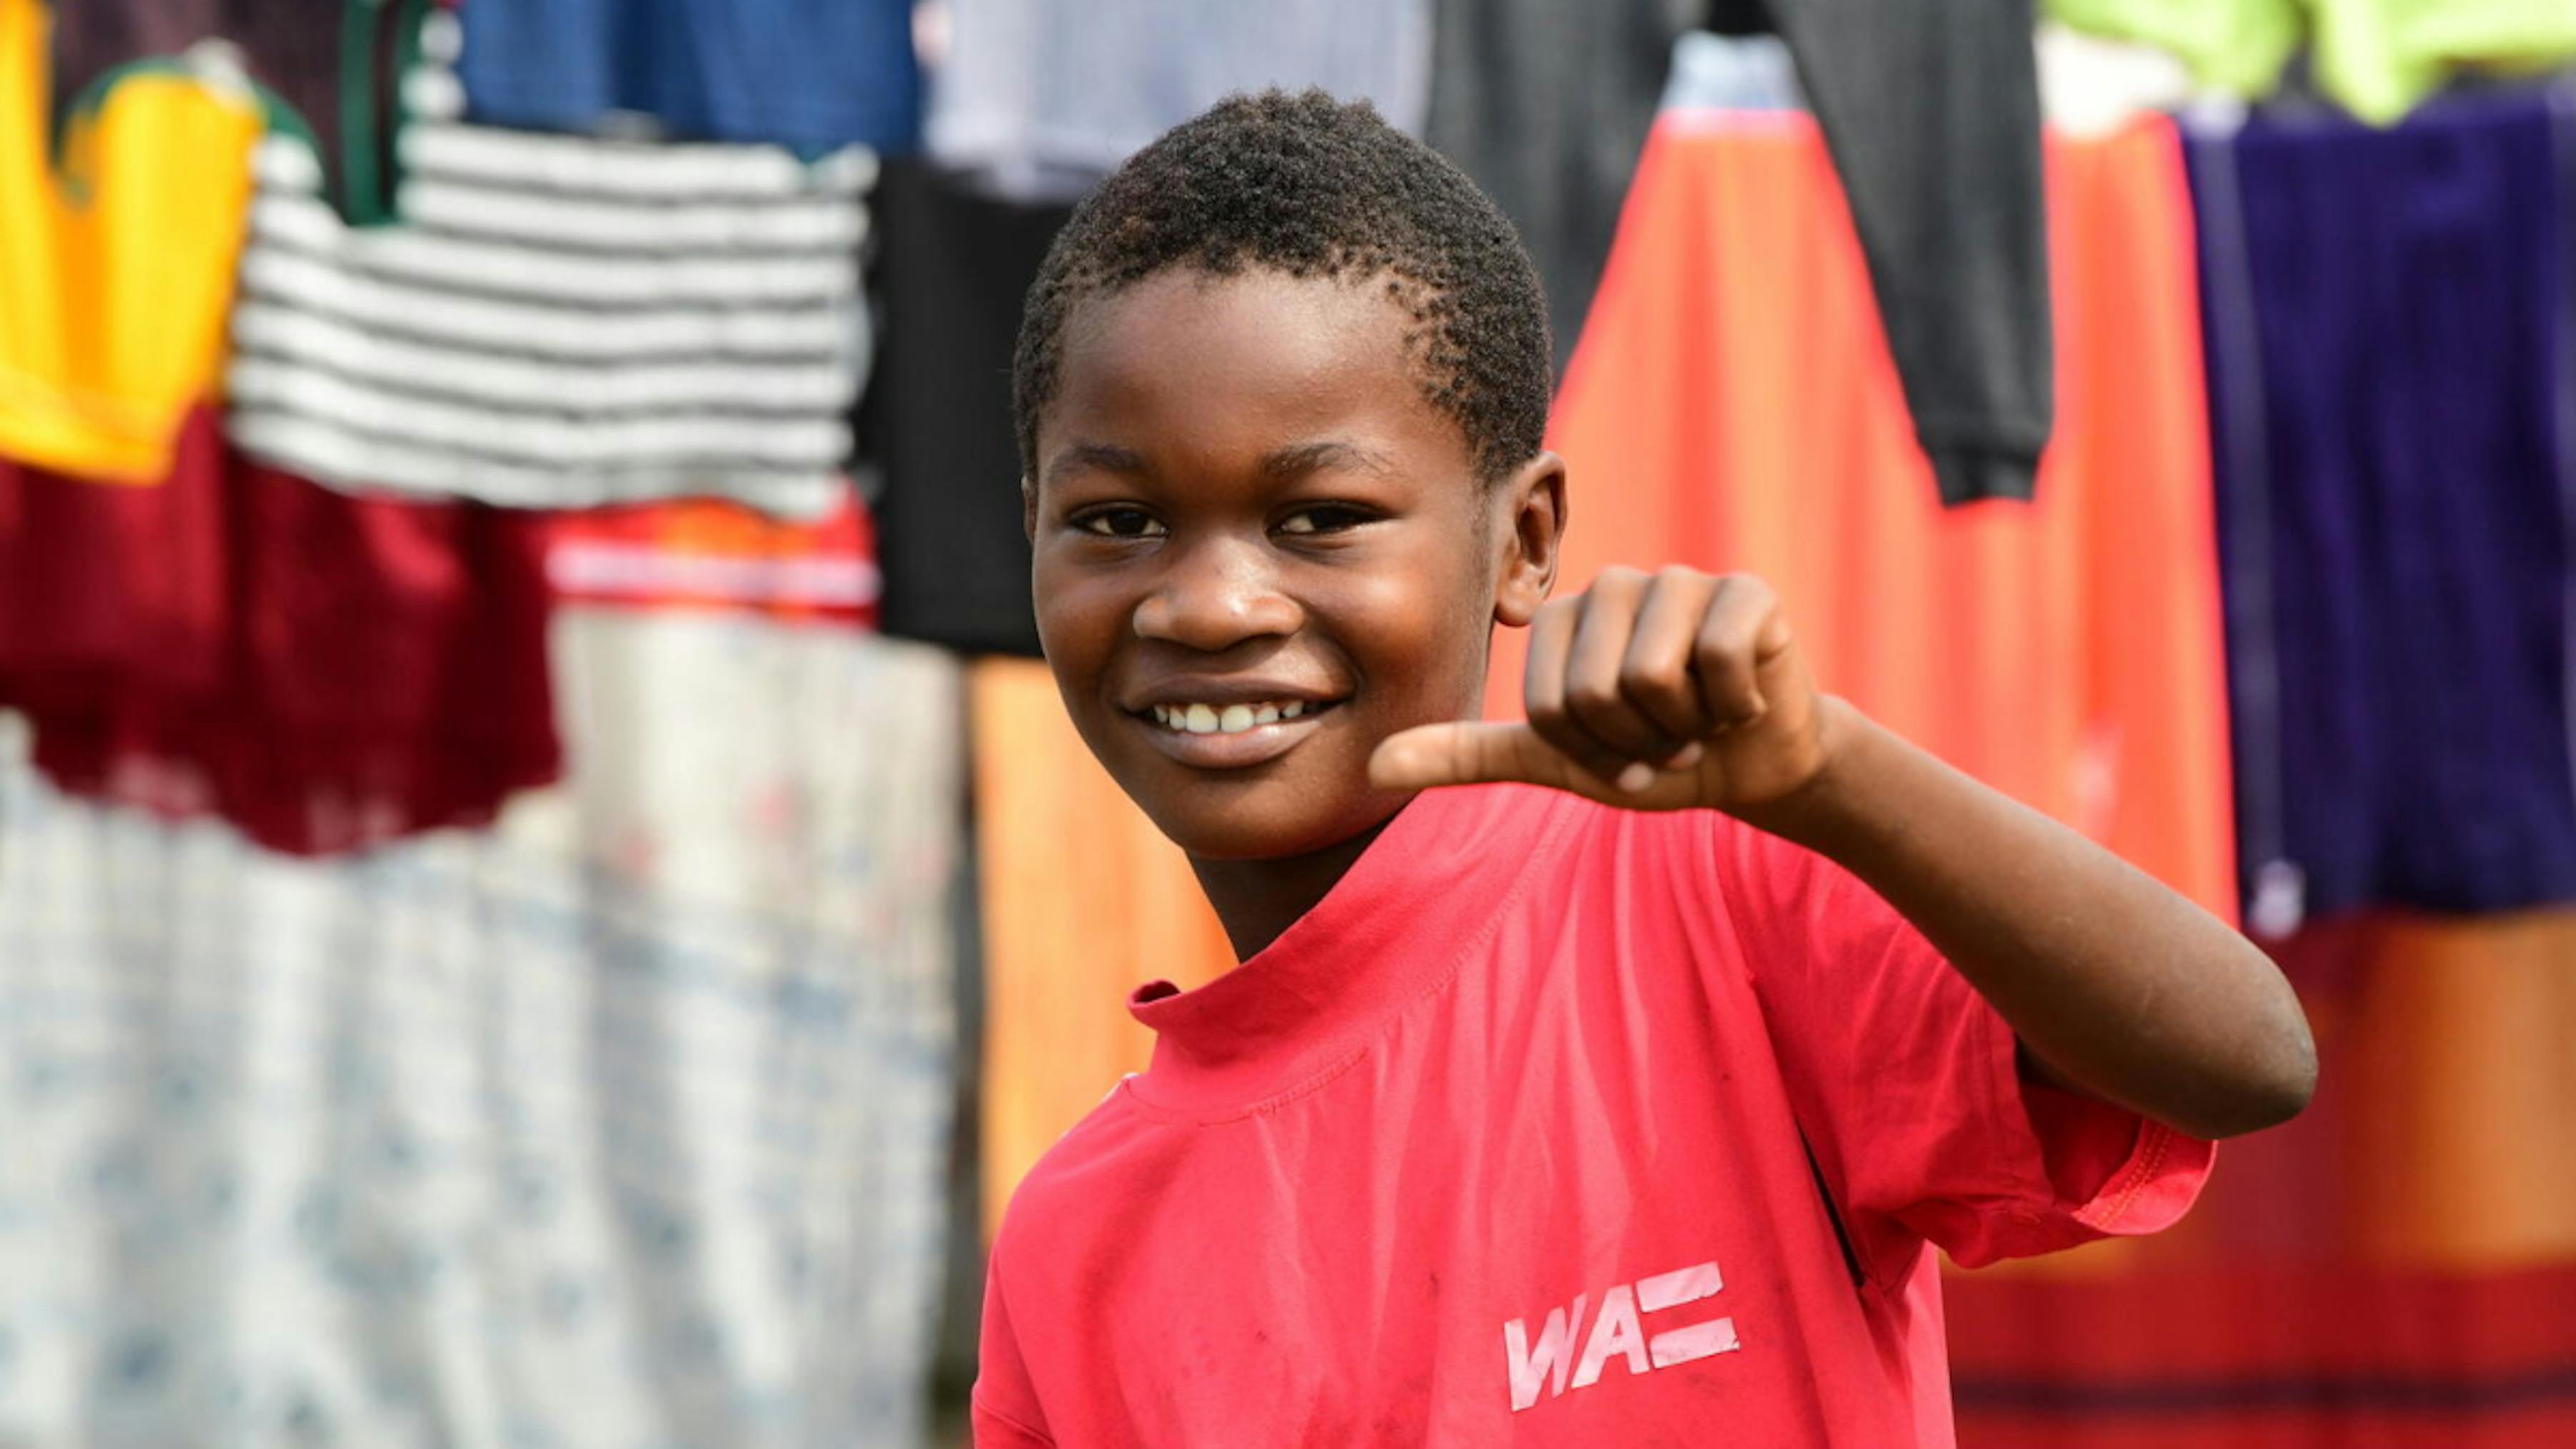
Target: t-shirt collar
{"x":1423,"y":894}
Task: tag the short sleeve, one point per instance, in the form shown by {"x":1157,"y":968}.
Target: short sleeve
{"x":1004,"y":1410}
{"x":1908,"y":1089}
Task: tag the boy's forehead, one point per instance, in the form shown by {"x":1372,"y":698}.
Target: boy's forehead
{"x":1320,"y":322}
{"x":1186,"y":352}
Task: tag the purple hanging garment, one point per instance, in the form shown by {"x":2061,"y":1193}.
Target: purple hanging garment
{"x":2387,"y":315}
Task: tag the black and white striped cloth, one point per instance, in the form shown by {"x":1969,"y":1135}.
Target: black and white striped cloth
{"x":557,"y":321}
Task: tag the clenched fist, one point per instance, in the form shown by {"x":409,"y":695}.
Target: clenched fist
{"x":1673,"y":691}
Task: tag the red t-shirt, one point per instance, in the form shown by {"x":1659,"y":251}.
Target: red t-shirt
{"x":1516,"y":1138}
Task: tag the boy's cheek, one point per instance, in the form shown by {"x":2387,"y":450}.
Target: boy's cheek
{"x":1070,"y":616}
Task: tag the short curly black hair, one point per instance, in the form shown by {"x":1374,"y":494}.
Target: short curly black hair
{"x":1313,"y":187}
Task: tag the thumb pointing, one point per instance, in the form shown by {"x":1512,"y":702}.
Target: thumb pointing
{"x":1467,"y":754}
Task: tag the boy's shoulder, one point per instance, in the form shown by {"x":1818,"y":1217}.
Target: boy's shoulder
{"x":1083,"y":1171}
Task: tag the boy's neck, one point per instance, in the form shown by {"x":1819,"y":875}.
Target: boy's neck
{"x":1258,"y":899}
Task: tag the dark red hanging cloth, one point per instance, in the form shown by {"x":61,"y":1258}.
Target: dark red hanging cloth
{"x":327,"y":672}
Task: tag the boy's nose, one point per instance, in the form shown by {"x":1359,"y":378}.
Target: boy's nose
{"x":1213,"y":598}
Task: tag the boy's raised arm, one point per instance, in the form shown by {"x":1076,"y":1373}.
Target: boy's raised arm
{"x":1683,"y":690}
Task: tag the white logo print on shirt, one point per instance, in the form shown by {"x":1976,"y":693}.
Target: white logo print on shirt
{"x":1616,"y":1333}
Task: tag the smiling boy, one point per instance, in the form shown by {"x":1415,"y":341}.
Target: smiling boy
{"x":1617,"y":1090}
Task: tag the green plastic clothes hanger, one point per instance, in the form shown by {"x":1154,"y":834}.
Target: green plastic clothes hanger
{"x":369,"y":171}
{"x":279,"y":117}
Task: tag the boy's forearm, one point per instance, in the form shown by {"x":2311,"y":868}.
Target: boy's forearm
{"x":2115,"y":984}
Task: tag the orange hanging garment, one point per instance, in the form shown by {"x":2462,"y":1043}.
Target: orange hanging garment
{"x":2395,"y":1268}
{"x":1084,"y":901}
{"x":1732,"y":406}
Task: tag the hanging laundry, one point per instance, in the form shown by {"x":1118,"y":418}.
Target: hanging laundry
{"x":2092,"y":86}
{"x":1735,"y":408}
{"x":1068,"y":933}
{"x":2393,"y":379}
{"x":702,"y":554}
{"x":290,"y":47}
{"x":1732,"y":73}
{"x":2237,"y":47}
{"x":2397,"y":1266}
{"x":1932,"y":115}
{"x":811,"y":74}
{"x":2380,"y":58}
{"x":953,"y":267}
{"x":557,"y":321}
{"x":624,"y":1122}
{"x":2455,"y":1034}
{"x":1041,"y":98}
{"x":326,"y":673}
{"x":2088,"y":86}
{"x":114,"y":273}
{"x":108,"y":589}
{"x":1546,"y":105}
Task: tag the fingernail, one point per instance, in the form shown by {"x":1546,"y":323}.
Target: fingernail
{"x":1690,"y":755}
{"x":1636,"y":777}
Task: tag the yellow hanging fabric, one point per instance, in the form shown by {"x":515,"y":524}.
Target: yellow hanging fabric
{"x":116,"y":271}
{"x":2379,"y":58}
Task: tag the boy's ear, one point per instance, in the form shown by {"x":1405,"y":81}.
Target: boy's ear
{"x":1028,"y":508}
{"x":1529,"y":521}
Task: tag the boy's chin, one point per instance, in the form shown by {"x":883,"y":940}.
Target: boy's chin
{"x":1253,"y":826}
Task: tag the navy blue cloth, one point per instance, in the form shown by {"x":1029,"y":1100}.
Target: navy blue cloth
{"x":811,"y":74}
{"x":2386,"y":315}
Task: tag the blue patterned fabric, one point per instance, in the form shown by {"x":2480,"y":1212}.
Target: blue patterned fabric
{"x":624,"y":1124}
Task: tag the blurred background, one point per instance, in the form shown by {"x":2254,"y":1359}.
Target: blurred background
{"x":546,"y":899}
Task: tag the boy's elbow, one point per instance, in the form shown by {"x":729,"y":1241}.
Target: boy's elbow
{"x":2276,"y":1086}
{"x":2282,"y":1095}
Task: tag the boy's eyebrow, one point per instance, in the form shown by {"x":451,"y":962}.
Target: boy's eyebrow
{"x":1103,"y":456}
{"x":1304,"y":458}
{"x":1294,"y":461}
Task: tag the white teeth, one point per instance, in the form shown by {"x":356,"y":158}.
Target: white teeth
{"x":1223,"y":719}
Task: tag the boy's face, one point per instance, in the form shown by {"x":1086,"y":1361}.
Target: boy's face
{"x":1260,"y":551}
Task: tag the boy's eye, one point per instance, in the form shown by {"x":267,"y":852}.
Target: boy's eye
{"x":1120,"y":523}
{"x":1324,"y":518}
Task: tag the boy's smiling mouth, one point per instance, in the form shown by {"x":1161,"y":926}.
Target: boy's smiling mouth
{"x":1229,"y":727}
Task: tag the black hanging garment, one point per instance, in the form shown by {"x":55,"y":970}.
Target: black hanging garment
{"x":1931,"y":111}
{"x":1546,"y":106}
{"x":954,"y":268}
